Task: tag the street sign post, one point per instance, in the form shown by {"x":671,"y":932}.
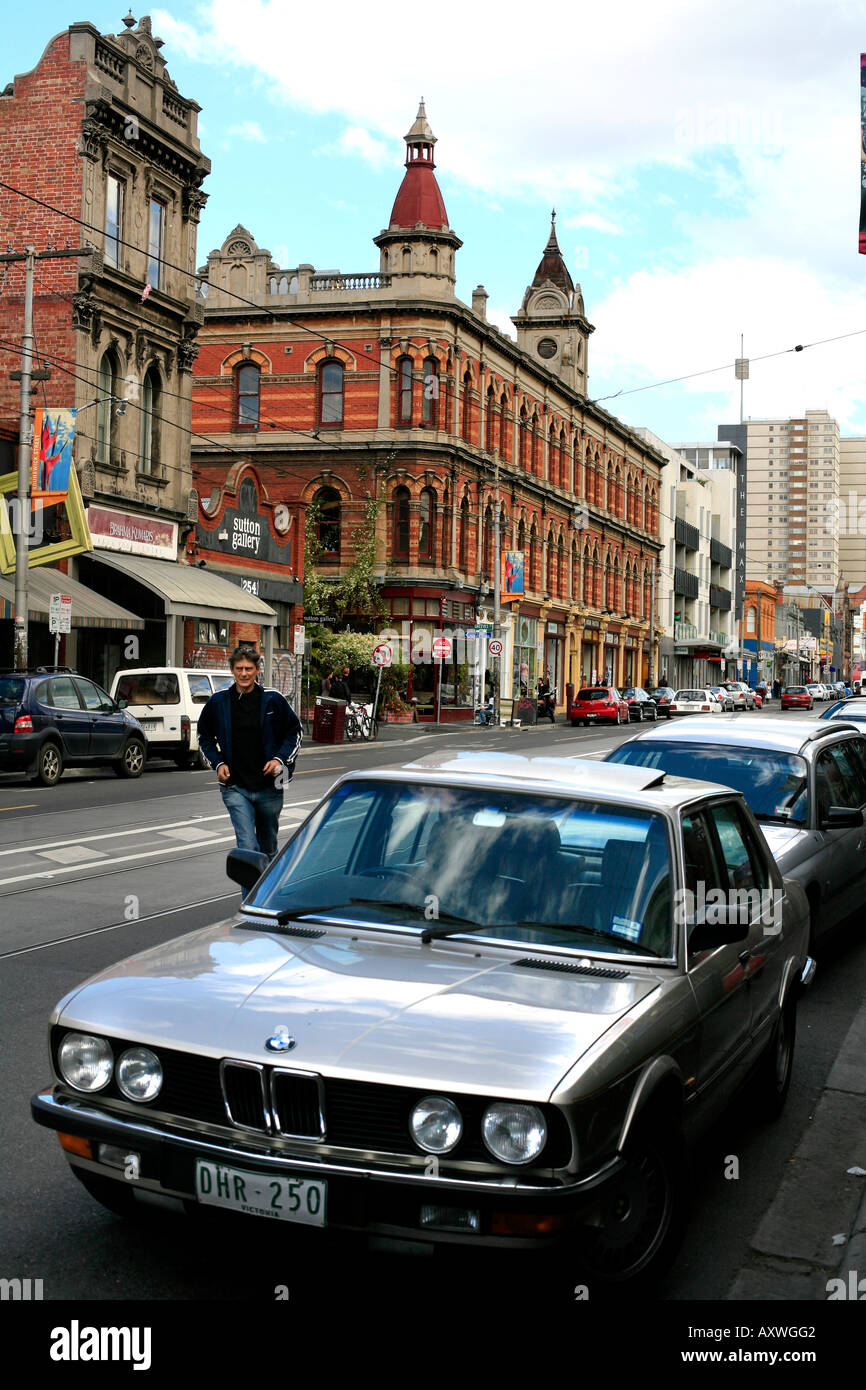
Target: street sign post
{"x":494,"y":646}
{"x":383,"y":655}
{"x":59,"y":619}
{"x":442,"y":649}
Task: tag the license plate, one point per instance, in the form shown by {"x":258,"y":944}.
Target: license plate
{"x":150,"y":726}
{"x":258,"y":1194}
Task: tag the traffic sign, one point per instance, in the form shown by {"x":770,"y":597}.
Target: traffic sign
{"x":382,"y":654}
{"x":442,"y":647}
{"x":494,"y":646}
{"x":60,"y":613}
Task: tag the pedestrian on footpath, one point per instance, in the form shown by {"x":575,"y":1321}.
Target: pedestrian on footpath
{"x":252,"y":737}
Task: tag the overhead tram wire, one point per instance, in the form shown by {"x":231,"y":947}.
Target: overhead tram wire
{"x":282,"y":315}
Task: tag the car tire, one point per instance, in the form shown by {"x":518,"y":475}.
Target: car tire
{"x":773,"y":1076}
{"x":643,"y":1213}
{"x":131,"y":762}
{"x":49,"y":765}
{"x":116,"y":1197}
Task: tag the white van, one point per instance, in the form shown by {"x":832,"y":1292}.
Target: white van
{"x":167,"y":701}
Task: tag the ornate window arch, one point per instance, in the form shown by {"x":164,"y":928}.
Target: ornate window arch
{"x":430,"y":394}
{"x":329,"y":527}
{"x":405,"y":384}
{"x":426,"y":524}
{"x":331,"y":387}
{"x":401,"y":523}
{"x":109,"y":385}
{"x":150,"y":394}
{"x":248,"y":385}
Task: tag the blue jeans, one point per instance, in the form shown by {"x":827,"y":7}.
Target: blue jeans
{"x":255,"y":817}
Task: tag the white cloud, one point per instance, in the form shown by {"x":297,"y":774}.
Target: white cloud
{"x":355,"y":142}
{"x":594,"y":221}
{"x":664,"y":324}
{"x":248,"y":130}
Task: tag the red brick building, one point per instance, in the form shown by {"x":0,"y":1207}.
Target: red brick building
{"x":99,"y":133}
{"x":388,"y":402}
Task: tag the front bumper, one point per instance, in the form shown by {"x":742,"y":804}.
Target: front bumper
{"x":370,"y":1198}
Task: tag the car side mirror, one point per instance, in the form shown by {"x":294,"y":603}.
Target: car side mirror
{"x":841,"y":818}
{"x":121,"y":704}
{"x":246,"y":866}
{"x":731,"y":925}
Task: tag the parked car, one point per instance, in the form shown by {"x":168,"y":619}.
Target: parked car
{"x":52,"y":718}
{"x":167,"y":701}
{"x":599,"y":704}
{"x":724,"y":697}
{"x":481,"y":999}
{"x":695,"y":702}
{"x":817,"y":692}
{"x":797,"y":697}
{"x":641,"y":706}
{"x":662,"y":695}
{"x":805,"y":783}
{"x":742,"y":694}
{"x":851,"y":712}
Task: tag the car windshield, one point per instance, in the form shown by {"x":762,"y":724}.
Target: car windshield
{"x":518,"y":867}
{"x":773,"y":784}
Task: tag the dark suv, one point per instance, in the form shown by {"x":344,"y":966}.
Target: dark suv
{"x":51,"y":718}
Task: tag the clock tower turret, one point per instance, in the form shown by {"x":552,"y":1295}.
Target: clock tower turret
{"x":551,"y":323}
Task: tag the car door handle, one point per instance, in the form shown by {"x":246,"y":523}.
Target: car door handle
{"x":744,"y":957}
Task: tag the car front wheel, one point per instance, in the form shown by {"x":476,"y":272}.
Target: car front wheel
{"x":49,"y":765}
{"x":131,"y":764}
{"x":643,"y":1214}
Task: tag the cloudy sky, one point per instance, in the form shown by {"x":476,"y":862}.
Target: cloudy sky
{"x":703,"y":160}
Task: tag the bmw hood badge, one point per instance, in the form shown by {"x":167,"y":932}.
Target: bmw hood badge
{"x":280,"y":1040}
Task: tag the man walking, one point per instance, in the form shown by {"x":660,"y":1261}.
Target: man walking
{"x":252,"y":737}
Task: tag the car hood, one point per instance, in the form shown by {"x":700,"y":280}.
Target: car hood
{"x":785,"y":841}
{"x":371,"y":1008}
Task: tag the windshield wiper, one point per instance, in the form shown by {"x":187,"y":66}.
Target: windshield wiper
{"x":610,"y":939}
{"x":775,"y":819}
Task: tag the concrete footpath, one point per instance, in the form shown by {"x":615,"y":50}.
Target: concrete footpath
{"x":815,"y":1230}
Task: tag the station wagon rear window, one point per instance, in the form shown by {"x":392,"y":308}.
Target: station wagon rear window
{"x":149,"y":688}
{"x":509,"y":866}
{"x":773,"y":784}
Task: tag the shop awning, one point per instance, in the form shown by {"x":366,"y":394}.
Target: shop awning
{"x":89,"y":609}
{"x":188,"y":591}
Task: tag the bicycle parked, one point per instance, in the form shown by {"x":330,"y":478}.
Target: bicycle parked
{"x":360,"y":723}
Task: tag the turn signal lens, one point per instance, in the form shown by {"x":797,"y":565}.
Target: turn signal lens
{"x":73,"y":1145}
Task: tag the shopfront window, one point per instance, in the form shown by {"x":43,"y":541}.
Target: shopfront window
{"x":525,"y":673}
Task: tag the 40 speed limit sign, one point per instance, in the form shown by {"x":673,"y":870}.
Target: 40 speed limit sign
{"x":494,"y":646}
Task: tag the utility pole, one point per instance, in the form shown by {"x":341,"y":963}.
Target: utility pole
{"x":27,"y":376}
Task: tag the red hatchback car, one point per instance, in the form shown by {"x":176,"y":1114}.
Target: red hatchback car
{"x":597,"y":703}
{"x":797,"y":697}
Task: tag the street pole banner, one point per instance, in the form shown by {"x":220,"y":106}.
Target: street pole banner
{"x":512,"y":573}
{"x":51,"y":457}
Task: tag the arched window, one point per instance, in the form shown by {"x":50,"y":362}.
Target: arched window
{"x":108,"y":387}
{"x":331,"y":393}
{"x":536,"y":446}
{"x":487,"y":553}
{"x":401,"y":523}
{"x":327,"y":500}
{"x":404,"y":386}
{"x":524,"y":437}
{"x":552,"y":460}
{"x":587,"y":578}
{"x":463,"y":536}
{"x":149,"y":422}
{"x":503,"y":424}
{"x":751,"y":620}
{"x":407,"y":260}
{"x":466,"y":416}
{"x":430,"y":398}
{"x":426,"y":524}
{"x":534,"y":561}
{"x":490,"y":421}
{"x":563,"y":459}
{"x":247,"y":385}
{"x":550,"y":579}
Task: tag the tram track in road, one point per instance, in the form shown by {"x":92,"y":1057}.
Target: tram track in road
{"x":116,"y":926}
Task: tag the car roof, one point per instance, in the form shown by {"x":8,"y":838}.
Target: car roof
{"x":646,"y":788}
{"x":737,"y":730}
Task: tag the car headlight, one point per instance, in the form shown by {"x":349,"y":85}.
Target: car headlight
{"x":85,"y":1062}
{"x":514,"y":1133}
{"x":139,"y":1074}
{"x":436,"y":1124}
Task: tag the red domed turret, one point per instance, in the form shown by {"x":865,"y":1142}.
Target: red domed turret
{"x":419,"y":198}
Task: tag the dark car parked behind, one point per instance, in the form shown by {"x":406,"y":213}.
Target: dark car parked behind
{"x":53,"y":718}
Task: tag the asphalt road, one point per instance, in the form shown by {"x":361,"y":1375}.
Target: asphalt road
{"x":96,"y":869}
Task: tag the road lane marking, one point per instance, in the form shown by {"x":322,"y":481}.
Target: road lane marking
{"x":121,"y":859}
{"x":189,"y":833}
{"x":28,"y":806}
